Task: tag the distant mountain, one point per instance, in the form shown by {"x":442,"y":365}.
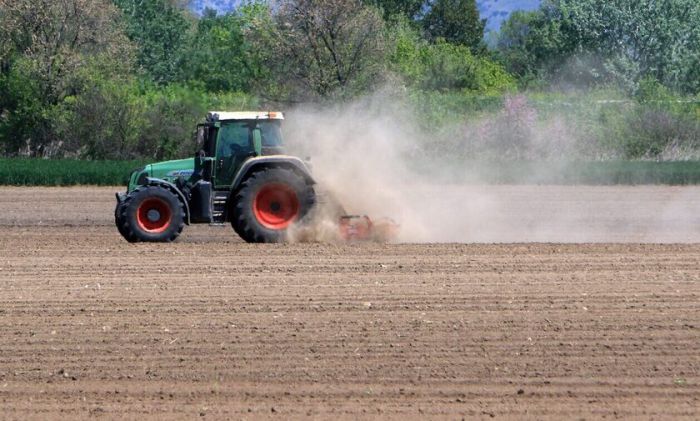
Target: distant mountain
{"x":494,"y":11}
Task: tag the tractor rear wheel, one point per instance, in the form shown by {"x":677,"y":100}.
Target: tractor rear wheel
{"x":268,"y":203}
{"x":150,"y":213}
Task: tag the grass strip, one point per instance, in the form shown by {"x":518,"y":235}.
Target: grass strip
{"x":70,"y":172}
{"x":567,"y":173}
{"x":64,"y":172}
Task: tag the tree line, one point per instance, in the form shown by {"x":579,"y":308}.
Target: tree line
{"x":126,"y":79}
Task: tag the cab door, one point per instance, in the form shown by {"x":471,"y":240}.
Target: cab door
{"x":204,"y":158}
{"x":234,"y":145}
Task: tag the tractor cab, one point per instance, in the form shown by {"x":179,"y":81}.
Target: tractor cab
{"x":227,"y":139}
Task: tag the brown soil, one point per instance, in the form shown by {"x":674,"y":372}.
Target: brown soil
{"x":209,"y":326}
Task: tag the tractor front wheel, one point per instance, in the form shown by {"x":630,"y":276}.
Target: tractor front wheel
{"x":121,"y":227}
{"x":150,"y":213}
{"x":268,"y":203}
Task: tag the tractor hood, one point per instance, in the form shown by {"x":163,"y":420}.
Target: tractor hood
{"x":166,"y":170}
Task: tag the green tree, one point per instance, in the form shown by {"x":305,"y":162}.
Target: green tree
{"x":160,"y":29}
{"x":58,"y":38}
{"x":591,"y":42}
{"x":22,"y":123}
{"x":104,"y":121}
{"x":532,"y":45}
{"x":454,"y":67}
{"x":442,"y":66}
{"x":457,"y":22}
{"x":44,"y":47}
{"x":219,"y":57}
{"x":406,"y":57}
{"x":392,"y":8}
{"x":320,"y":48}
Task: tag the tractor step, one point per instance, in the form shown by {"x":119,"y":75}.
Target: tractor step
{"x":219,"y":205}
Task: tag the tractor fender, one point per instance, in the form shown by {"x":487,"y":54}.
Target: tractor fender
{"x":172,"y":188}
{"x":283,"y":161}
{"x":252,"y":164}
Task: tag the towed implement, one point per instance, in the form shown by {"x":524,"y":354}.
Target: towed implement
{"x":239,"y":174}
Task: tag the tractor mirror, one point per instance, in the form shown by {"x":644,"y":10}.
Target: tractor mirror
{"x":199,"y":137}
{"x":257,"y":141}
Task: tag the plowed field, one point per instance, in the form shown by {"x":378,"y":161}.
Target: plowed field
{"x":208,"y":326}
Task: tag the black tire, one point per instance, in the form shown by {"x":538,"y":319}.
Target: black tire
{"x":118,"y":222}
{"x":268,"y":203}
{"x":150,"y":214}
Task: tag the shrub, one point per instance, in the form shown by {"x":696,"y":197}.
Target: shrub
{"x":442,"y":66}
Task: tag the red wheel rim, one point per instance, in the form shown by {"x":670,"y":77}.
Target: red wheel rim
{"x":154,"y":215}
{"x":276,"y":206}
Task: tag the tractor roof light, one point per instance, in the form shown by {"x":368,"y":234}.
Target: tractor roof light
{"x":244,"y":115}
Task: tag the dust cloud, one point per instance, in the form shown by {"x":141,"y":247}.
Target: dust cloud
{"x":368,"y":153}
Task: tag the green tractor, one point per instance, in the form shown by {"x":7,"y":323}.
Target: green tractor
{"x":239,"y":174}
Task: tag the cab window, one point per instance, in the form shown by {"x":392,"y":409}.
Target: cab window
{"x":233,"y":139}
{"x":271,"y":134}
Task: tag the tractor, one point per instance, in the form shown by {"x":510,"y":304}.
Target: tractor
{"x":239,"y":174}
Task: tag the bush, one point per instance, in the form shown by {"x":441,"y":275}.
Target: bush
{"x":24,"y":117}
{"x":171,"y":116}
{"x":653,"y":125}
{"x":597,"y":125}
{"x":442,"y":66}
{"x":111,"y":119}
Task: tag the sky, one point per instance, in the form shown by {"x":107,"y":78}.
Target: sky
{"x":495,"y":11}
